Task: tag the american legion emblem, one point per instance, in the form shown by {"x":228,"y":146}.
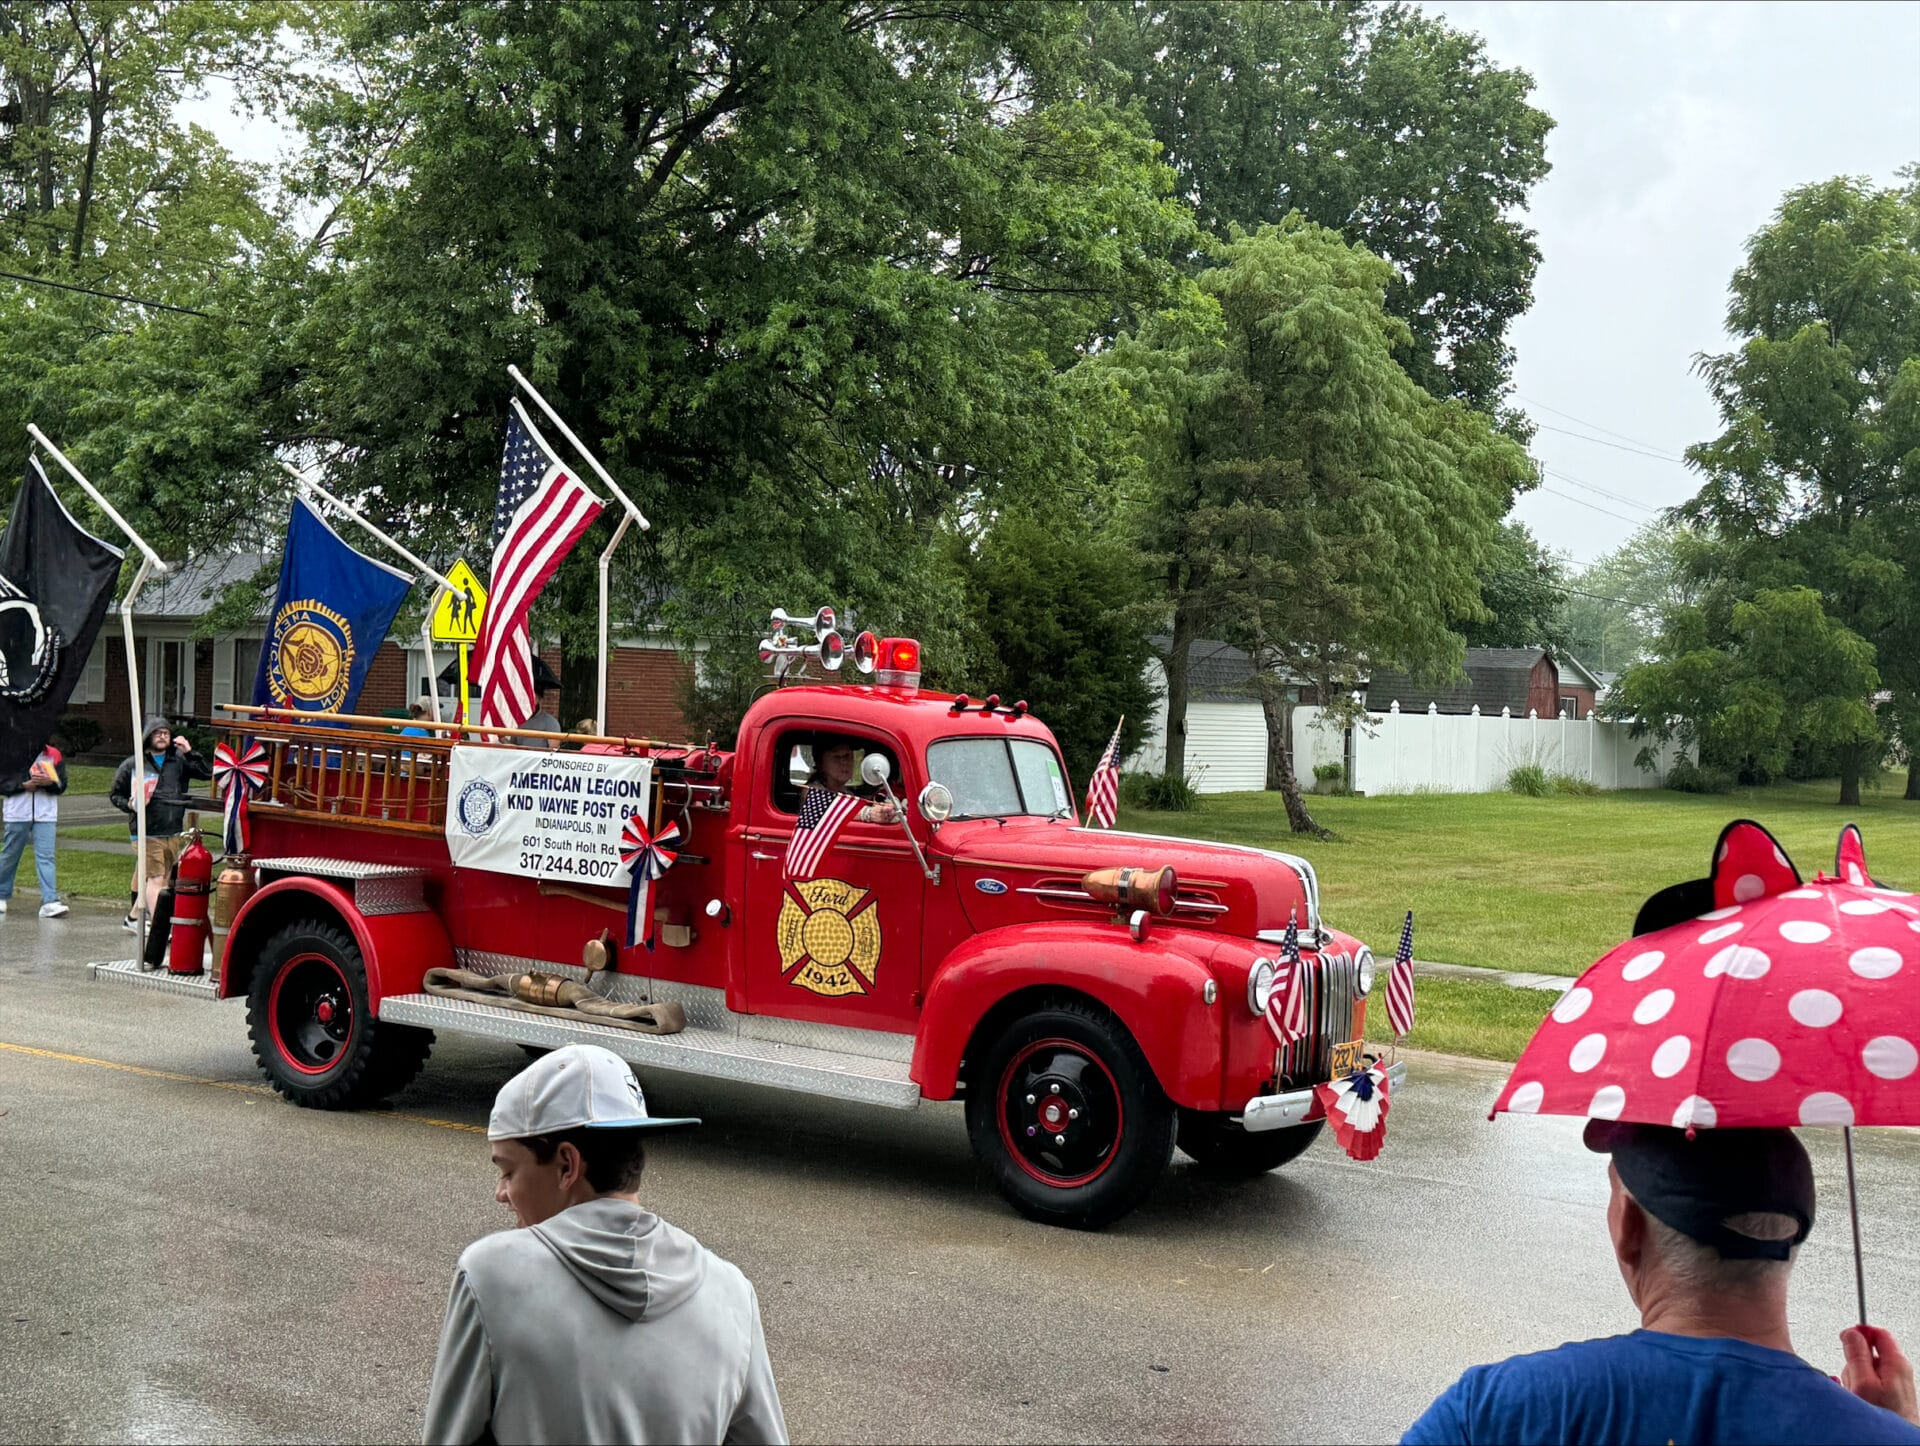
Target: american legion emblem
{"x":311,"y":657}
{"x":829,"y":937}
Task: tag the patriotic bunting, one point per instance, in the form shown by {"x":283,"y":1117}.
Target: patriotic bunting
{"x":1357,"y":1109}
{"x":649,"y":855}
{"x":238,"y":776}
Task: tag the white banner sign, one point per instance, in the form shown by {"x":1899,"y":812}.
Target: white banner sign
{"x":544,"y":815}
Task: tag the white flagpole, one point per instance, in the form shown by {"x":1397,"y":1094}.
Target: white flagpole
{"x":446,"y":583}
{"x":633,"y":514}
{"x":149,"y":564}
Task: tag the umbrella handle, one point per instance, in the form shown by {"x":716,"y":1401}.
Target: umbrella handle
{"x":1853,"y":1209}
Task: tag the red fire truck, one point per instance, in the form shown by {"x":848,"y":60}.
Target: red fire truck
{"x":1094,"y":997}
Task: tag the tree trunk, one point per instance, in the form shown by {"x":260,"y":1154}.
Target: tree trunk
{"x":96,"y":126}
{"x":1850,"y":777}
{"x":1913,"y":776}
{"x":1186,"y":626}
{"x":1279,"y":713}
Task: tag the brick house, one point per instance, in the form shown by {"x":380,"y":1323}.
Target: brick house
{"x":184,"y":676}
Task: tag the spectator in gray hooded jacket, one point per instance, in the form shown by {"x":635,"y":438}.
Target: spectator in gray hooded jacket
{"x":595,"y":1320}
{"x":165,"y":764}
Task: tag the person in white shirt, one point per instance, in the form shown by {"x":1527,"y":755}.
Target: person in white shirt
{"x":31,"y":811}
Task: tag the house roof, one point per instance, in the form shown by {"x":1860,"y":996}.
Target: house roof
{"x":1217,"y":672}
{"x":1495,"y":678}
{"x":195,"y":585}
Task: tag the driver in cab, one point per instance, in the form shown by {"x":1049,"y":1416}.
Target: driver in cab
{"x":833,"y":767}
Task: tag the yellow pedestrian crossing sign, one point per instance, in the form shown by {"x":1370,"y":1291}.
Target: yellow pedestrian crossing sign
{"x":456,"y":618}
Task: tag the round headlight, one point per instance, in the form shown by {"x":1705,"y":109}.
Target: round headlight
{"x":1260,"y":985}
{"x":1363,"y":968}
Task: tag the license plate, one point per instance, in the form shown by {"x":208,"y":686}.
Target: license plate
{"x":1346,"y":1058}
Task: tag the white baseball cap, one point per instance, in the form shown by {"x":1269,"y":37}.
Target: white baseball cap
{"x":580,"y":1086}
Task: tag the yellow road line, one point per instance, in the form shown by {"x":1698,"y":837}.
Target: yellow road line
{"x":219,"y":1084}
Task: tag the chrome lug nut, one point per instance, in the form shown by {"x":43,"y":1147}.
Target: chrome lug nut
{"x":1029,"y":1099}
{"x":1059,"y":1139}
{"x":1073,"y":1114}
{"x":1053,"y":1089}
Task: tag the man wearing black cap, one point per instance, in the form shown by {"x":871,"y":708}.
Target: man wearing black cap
{"x":596,"y":1320}
{"x":1704,"y":1231}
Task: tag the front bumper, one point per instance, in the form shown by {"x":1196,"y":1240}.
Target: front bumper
{"x":1277,"y":1112}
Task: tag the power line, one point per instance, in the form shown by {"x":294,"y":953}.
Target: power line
{"x":1599,"y":491}
{"x":1595,"y":426}
{"x":1617,"y":446}
{"x":1581,"y":501}
{"x":109,"y":295}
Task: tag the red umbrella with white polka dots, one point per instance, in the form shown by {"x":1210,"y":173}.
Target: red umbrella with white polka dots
{"x":1749,"y":999}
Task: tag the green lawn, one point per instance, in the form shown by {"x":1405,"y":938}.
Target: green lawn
{"x":1542,"y":884}
{"x":1464,"y":1016}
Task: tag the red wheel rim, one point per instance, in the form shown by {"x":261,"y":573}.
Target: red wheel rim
{"x":310,"y":1013}
{"x":1060,"y":1115}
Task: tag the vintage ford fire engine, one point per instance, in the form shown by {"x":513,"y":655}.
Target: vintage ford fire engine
{"x":1094,"y":997}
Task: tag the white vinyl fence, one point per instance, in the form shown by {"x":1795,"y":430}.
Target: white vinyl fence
{"x":1434,"y":752}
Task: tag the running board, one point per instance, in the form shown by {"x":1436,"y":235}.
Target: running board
{"x":708,"y":1052}
{"x":127,"y":971}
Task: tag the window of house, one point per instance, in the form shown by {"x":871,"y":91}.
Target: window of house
{"x":1569,"y":707}
{"x":170,"y":676}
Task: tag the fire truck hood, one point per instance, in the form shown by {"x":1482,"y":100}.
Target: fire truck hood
{"x":1259,"y":887}
{"x":630,"y":1260}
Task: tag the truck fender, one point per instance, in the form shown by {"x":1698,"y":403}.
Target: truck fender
{"x":398,"y":949}
{"x":1155,"y":987}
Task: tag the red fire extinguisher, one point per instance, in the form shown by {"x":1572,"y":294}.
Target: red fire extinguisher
{"x":192,"y":883}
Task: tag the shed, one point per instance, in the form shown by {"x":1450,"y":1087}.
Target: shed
{"x":1226,"y":728}
{"x":1521,"y":680}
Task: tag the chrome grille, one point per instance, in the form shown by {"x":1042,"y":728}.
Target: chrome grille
{"x":1333,"y":986}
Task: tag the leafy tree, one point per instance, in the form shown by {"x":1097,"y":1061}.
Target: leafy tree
{"x":1817,"y":473}
{"x":1063,"y":610}
{"x":804,"y":274}
{"x":1378,"y":121}
{"x":1304,"y":496}
{"x":1784,"y":674}
{"x":1522,"y":602}
{"x":1613,"y":609}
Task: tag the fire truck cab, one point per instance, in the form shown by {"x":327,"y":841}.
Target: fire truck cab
{"x":1094,"y":997}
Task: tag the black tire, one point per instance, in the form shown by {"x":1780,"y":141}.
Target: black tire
{"x":1220,"y":1147}
{"x":312,"y":1030}
{"x":1070,"y":1056}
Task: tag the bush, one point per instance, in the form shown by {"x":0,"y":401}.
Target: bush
{"x":1529,"y":779}
{"x":79,"y":733}
{"x":1166,"y":792}
{"x":1573,"y":785}
{"x":1686,"y":776}
{"x":1329,"y":778}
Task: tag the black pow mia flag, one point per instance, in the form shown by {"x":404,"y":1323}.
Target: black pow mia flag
{"x":56,"y":580}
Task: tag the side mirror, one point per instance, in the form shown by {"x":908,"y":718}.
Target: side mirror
{"x":875,"y":771}
{"x":936,"y":803}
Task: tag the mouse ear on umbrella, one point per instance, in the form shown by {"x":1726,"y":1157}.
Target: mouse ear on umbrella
{"x":1850,"y":858}
{"x":1748,"y":864}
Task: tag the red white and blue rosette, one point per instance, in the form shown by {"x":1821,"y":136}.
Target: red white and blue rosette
{"x":648,"y":855}
{"x":238,"y":776}
{"x":1357,"y":1109}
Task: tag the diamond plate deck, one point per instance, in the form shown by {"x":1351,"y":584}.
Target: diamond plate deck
{"x":335,"y":868}
{"x":126,"y":971}
{"x":693,"y":1051}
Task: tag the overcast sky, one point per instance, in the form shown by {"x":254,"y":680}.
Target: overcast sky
{"x":1678,"y":128}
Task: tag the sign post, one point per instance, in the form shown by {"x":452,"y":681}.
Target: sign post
{"x":456,"y":620}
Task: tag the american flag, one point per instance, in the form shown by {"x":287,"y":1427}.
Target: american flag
{"x":1400,"y":983}
{"x":822,"y":812}
{"x":541,"y":512}
{"x":1103,"y":789}
{"x":1287,"y":1005}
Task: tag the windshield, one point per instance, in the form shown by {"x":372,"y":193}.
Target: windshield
{"x":1000,"y":777}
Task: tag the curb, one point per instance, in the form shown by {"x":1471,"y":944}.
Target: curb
{"x":1549,"y":983}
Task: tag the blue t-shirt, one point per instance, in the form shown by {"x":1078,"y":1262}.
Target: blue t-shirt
{"x":1653,"y":1387}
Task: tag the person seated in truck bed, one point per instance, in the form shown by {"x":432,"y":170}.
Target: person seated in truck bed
{"x":834,"y":759}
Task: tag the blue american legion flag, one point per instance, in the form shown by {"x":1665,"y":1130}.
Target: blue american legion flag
{"x":541,"y":511}
{"x":822,"y":813}
{"x":1103,"y":789}
{"x":1400,"y":982}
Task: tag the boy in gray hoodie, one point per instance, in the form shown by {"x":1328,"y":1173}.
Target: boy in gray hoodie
{"x":595,"y":1320}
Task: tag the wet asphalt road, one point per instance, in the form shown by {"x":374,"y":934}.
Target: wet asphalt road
{"x":186,"y":1258}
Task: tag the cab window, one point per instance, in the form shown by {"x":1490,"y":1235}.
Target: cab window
{"x":794,"y":761}
{"x":1001,"y":777}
